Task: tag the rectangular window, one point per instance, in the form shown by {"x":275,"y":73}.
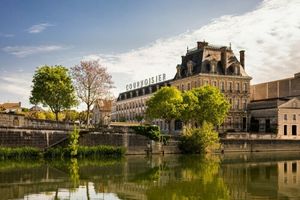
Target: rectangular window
{"x":230,"y":87}
{"x":245,"y":87}
{"x":285,"y":168}
{"x":237,"y":87}
{"x":285,"y":116}
{"x":294,"y":129}
{"x":294,"y":167}
{"x":222,"y":86}
{"x":294,"y":117}
{"x":285,"y":129}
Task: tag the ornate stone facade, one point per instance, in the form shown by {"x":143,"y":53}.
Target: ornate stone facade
{"x":219,"y":67}
{"x":203,"y":65}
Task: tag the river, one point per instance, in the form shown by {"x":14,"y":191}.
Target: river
{"x":236,"y":176}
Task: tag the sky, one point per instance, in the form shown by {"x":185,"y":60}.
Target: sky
{"x":136,"y":39}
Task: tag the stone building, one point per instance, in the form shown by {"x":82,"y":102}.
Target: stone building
{"x":131,"y":105}
{"x":275,"y":108}
{"x":217,"y":66}
{"x":102,"y":112}
{"x":283,"y":88}
{"x":279,"y":116}
{"x":203,"y":65}
{"x":11,"y":107}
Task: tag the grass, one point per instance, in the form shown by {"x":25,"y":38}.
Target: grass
{"x":86,"y":152}
{"x":27,"y":153}
{"x":19,"y":153}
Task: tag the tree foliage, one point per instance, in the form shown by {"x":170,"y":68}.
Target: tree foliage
{"x":53,"y":87}
{"x":73,"y":142}
{"x":199,"y":140}
{"x":164,"y":104}
{"x":92,"y":82}
{"x":205,"y":104}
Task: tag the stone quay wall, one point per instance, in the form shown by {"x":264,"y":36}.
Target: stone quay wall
{"x":259,"y":145}
{"x":115,"y":136}
{"x":8,"y":120}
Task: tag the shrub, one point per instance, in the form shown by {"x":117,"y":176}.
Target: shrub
{"x":151,"y":132}
{"x":19,"y":153}
{"x":199,"y":140}
{"x":73,"y":142}
{"x":85,"y":152}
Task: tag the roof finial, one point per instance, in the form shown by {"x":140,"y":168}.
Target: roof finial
{"x":230,"y":45}
{"x":187,"y":48}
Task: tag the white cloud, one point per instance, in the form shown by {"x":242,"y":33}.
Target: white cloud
{"x":15,"y":87}
{"x":270,"y":34}
{"x":23,"y":51}
{"x":38,"y":28}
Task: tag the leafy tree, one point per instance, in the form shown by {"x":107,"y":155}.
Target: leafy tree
{"x":53,"y":87}
{"x":165,"y":104}
{"x":189,"y":104}
{"x":92,"y":82}
{"x":73,"y":142}
{"x":36,"y":115}
{"x":71,"y":115}
{"x":50,"y":115}
{"x":210,"y":105}
{"x":199,"y":140}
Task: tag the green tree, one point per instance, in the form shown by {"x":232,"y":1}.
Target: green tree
{"x":52,"y":86}
{"x":71,"y":115}
{"x":199,"y":140}
{"x":49,"y":115}
{"x":189,"y":104}
{"x":165,"y":104}
{"x":73,"y":142}
{"x":210,"y":105}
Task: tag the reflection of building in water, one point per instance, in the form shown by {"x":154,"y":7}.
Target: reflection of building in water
{"x":251,"y":181}
{"x":289,"y":178}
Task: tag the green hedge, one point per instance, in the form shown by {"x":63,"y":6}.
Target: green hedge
{"x":151,"y":132}
{"x":86,"y":152}
{"x":19,"y":153}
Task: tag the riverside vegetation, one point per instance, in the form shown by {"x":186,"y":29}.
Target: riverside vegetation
{"x":200,"y":110}
{"x":73,"y":150}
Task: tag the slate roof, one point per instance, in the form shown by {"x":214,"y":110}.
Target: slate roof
{"x":202,"y":61}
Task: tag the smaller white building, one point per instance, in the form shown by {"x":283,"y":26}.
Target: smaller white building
{"x":102,"y":112}
{"x":278,"y":116}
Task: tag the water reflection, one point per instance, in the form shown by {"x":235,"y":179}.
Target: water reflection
{"x":230,"y":176}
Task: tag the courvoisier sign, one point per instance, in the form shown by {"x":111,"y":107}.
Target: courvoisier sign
{"x":146,"y":82}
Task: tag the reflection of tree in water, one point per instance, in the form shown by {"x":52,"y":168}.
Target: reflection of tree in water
{"x":74,"y":172}
{"x":195,"y":178}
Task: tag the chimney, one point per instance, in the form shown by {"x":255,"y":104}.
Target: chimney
{"x":182,"y":59}
{"x":224,"y":58}
{"x":178,"y":67}
{"x":242,"y":58}
{"x":201,"y":45}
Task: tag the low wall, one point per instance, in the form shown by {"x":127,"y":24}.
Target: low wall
{"x":259,"y":145}
{"x":8,"y":120}
{"x":117,"y":136}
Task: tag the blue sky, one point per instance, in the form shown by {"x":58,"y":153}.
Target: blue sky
{"x":138,"y":38}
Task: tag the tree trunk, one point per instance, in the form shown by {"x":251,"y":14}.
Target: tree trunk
{"x":56,"y":116}
{"x":88,"y":115}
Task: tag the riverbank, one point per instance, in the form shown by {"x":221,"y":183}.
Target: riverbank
{"x":23,"y":153}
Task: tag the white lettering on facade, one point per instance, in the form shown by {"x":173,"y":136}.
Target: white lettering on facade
{"x":146,"y":82}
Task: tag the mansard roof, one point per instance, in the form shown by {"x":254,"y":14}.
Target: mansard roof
{"x":210,"y":59}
